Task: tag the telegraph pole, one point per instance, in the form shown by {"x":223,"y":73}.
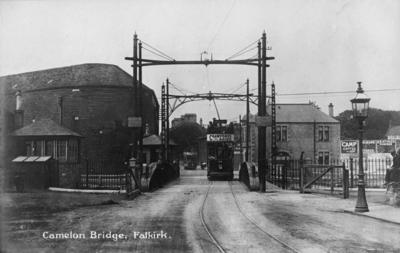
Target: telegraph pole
{"x":135,"y":90}
{"x":163,"y":123}
{"x":167,"y":121}
{"x":140,"y":156}
{"x":247,"y":120}
{"x":262,"y":161}
{"x":240,"y":139}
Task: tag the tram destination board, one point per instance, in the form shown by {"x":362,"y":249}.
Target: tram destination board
{"x":220,"y":137}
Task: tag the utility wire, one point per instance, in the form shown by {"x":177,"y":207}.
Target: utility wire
{"x":243,"y":49}
{"x":156,"y":53}
{"x":241,"y":53}
{"x":220,"y":26}
{"x":332,"y":92}
{"x":181,"y":90}
{"x":238,"y":88}
{"x":159,"y":51}
{"x":328,"y":92}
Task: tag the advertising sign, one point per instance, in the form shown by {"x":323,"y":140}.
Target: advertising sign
{"x":349,"y":147}
{"x":220,"y":137}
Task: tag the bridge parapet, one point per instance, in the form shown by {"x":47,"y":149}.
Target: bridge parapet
{"x":158,"y":174}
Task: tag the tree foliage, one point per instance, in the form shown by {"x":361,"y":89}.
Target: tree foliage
{"x":375,"y":126}
{"x":187,"y":134}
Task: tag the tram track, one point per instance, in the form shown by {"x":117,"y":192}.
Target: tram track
{"x":206,"y":227}
{"x":282,"y":243}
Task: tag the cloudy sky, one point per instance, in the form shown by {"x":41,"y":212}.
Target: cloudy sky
{"x":319,"y":45}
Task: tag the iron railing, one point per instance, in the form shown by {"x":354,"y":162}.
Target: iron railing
{"x":286,"y":173}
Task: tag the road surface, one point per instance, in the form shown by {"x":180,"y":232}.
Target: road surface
{"x":193,"y":214}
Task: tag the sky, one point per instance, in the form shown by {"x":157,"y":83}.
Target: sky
{"x":319,"y":45}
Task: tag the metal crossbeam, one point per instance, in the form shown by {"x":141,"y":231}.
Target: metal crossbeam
{"x":183,"y":99}
{"x":150,"y":62}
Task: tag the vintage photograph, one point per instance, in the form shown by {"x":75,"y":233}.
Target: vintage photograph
{"x":200,"y":126}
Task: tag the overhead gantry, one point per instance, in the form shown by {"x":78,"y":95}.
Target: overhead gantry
{"x":260,"y":61}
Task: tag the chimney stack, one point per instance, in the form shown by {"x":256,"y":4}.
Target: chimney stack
{"x":19,"y":113}
{"x":331,"y":110}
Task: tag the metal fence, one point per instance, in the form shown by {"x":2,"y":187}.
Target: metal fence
{"x":103,"y":175}
{"x":374,"y":170}
{"x":286,"y":173}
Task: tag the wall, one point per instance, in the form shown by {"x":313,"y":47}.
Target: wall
{"x":99,"y":114}
{"x":301,"y":139}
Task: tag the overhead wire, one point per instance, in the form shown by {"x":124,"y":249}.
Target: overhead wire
{"x":220,"y":26}
{"x":328,"y":92}
{"x":243,"y":49}
{"x":241,"y":53}
{"x":157,"y":50}
{"x":232,"y":92}
{"x":160,"y":55}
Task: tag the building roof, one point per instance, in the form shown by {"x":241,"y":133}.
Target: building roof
{"x":300,"y":113}
{"x":393,"y":131}
{"x":44,"y":127}
{"x":155,"y":140}
{"x":89,"y":74}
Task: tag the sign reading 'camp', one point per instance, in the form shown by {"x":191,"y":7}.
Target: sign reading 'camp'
{"x":220,"y":137}
{"x":349,"y":147}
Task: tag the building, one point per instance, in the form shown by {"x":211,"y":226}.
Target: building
{"x":393,"y":134}
{"x":188,"y":117}
{"x":300,"y":128}
{"x":89,"y":101}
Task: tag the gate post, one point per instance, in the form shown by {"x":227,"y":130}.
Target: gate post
{"x":301,"y":176}
{"x":345,"y":182}
{"x":332,"y":181}
{"x":351,"y":173}
{"x":87,"y":173}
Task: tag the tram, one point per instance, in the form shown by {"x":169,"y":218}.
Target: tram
{"x":190,"y":160}
{"x":220,"y":151}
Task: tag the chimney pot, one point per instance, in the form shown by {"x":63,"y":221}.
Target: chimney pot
{"x":331,"y":110}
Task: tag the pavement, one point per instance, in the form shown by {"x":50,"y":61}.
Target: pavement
{"x":377,"y":200}
{"x":378,"y":206}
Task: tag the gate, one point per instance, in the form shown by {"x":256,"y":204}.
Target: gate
{"x":301,"y":175}
{"x":324,"y":177}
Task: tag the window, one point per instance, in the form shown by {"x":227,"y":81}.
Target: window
{"x":281,"y":133}
{"x":323,"y":133}
{"x":28,"y":148}
{"x":38,"y":148}
{"x":61,"y":150}
{"x":323,"y":157}
{"x":73,"y":151}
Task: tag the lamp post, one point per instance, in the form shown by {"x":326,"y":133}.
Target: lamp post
{"x":360,"y":105}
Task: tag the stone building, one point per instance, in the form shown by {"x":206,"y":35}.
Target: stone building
{"x":92,"y":101}
{"x":187,"y":117}
{"x":393,"y":134}
{"x":300,"y":128}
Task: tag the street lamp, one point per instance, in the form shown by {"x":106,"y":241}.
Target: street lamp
{"x":360,"y":105}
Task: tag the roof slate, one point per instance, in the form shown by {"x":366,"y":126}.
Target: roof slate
{"x":300,"y":113}
{"x":44,"y":127}
{"x":77,"y":75}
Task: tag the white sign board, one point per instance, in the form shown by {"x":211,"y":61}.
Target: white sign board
{"x":220,"y":137}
